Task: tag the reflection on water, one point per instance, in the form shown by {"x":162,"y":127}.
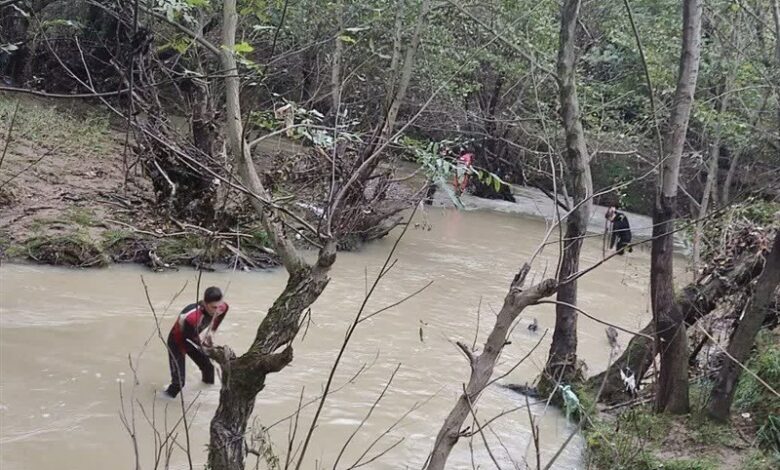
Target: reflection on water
{"x":67,"y":334}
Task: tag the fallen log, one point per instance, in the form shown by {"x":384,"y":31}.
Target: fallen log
{"x":696,"y":301}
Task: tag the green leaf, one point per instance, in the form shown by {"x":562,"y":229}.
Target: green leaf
{"x":347,"y":39}
{"x":243,"y":48}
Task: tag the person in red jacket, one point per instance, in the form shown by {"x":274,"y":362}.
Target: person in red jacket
{"x":462,"y":173}
{"x":185,"y":338}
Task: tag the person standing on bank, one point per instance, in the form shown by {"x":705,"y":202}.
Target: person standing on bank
{"x":620,"y":230}
{"x":185,"y":338}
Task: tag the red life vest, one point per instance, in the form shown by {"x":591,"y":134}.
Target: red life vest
{"x":192,"y":321}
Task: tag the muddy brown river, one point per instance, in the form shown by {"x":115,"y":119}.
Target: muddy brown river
{"x":66,"y":336}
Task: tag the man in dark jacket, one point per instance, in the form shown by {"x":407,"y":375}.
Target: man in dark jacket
{"x":620,"y":230}
{"x":185,"y":338}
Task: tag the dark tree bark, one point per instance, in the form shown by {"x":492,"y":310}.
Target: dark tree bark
{"x":243,"y":377}
{"x":739,"y":347}
{"x":671,"y":336}
{"x":562,"y":360}
{"x":695,"y":301}
{"x":776,"y":17}
{"x":13,"y":29}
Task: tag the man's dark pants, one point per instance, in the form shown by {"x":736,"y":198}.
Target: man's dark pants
{"x":176,"y":362}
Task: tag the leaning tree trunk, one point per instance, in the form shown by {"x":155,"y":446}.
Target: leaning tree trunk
{"x":482,"y":366}
{"x":562,"y":360}
{"x":695,"y":301}
{"x":739,"y":347}
{"x":243,"y":377}
{"x":672,"y":339}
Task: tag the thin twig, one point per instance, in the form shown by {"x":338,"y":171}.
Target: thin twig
{"x":8,"y":133}
{"x":347,"y":337}
{"x":481,"y":432}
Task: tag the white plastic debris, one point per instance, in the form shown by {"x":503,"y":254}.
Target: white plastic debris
{"x":629,"y":381}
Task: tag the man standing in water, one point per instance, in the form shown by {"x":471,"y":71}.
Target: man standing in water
{"x":185,"y":338}
{"x":620,"y":230}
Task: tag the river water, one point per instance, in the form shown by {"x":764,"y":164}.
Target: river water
{"x":66,"y":336}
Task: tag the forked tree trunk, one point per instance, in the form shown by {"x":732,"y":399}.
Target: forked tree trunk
{"x":482,"y":366}
{"x":562,"y":360}
{"x":243,"y":377}
{"x":722,"y":395}
{"x":672,"y":339}
{"x":695,"y":301}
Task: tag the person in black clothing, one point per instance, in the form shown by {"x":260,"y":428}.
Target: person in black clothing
{"x":620,"y":230}
{"x":184,"y":338}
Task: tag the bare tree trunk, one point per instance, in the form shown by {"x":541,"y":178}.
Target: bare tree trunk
{"x":562,"y":360}
{"x":482,"y":366}
{"x":712,"y":173}
{"x":776,"y":16}
{"x":335,"y":69}
{"x":739,"y":347}
{"x":406,"y":72}
{"x":728,"y":182}
{"x":672,"y":339}
{"x":243,"y":377}
{"x":726,"y":198}
{"x":727,"y":70}
{"x":695,"y":301}
{"x":395,"y":59}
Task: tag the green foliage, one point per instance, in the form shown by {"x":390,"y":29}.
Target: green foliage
{"x":174,"y":249}
{"x":441,"y":169}
{"x":687,"y":464}
{"x":751,"y":396}
{"x":259,"y":238}
{"x":181,"y":10}
{"x":768,"y":435}
{"x":74,"y":248}
{"x":114,"y":236}
{"x":757,"y":460}
{"x":53,"y":127}
{"x":81,"y":216}
{"x":243,"y":48}
{"x":627,"y":443}
{"x":633,"y":440}
{"x":707,"y":432}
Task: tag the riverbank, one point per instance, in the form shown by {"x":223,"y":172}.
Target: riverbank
{"x":73,"y":194}
{"x":635,"y":438}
